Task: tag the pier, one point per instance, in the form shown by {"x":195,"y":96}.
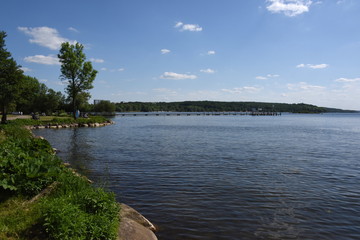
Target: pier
{"x":139,"y":114}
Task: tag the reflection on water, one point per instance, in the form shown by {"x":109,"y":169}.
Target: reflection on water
{"x":228,"y":177}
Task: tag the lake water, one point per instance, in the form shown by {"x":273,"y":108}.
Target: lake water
{"x":228,"y":177}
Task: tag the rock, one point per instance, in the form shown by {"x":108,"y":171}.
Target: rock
{"x":131,"y":230}
{"x":134,"y":226}
{"x":129,"y":212}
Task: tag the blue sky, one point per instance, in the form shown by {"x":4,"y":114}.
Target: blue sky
{"x":289,"y":51}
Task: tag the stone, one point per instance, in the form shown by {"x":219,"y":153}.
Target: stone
{"x":129,"y":212}
{"x":131,"y":230}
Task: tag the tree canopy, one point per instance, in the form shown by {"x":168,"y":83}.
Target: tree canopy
{"x":10,"y":78}
{"x":76,"y":72}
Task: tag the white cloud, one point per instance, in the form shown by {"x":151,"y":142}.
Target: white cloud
{"x":188,"y":27}
{"x":164,"y":91}
{"x":113,"y":70}
{"x":73,"y":29}
{"x":209,"y":70}
{"x":273,"y":75}
{"x":43,"y":80}
{"x":300,"y":65}
{"x":97,"y":60}
{"x":211,"y":52}
{"x":347,"y":80}
{"x":176,"y":76}
{"x":290,"y":8}
{"x":178,"y":24}
{"x":44,"y":36}
{"x":60,"y":83}
{"x":41,"y":59}
{"x":165,"y":51}
{"x":25,"y":69}
{"x":319,"y":66}
{"x":267,"y":76}
{"x":303,"y":86}
{"x":249,"y":89}
{"x":313,"y":66}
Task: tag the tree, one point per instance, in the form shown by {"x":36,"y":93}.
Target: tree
{"x":10,"y":78}
{"x":78,"y":73}
{"x":104,"y":106}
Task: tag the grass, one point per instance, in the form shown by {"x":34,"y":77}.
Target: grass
{"x":74,"y":209}
{"x":18,"y":219}
{"x":44,"y":120}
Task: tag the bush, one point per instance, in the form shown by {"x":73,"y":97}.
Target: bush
{"x":64,"y":220}
{"x":73,"y":210}
{"x":26,"y":165}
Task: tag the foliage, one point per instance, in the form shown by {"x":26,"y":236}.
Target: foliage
{"x":95,"y":207}
{"x":17,"y":219}
{"x":104,"y":106}
{"x":78,"y":74}
{"x":14,"y":124}
{"x":27,"y":165}
{"x":10,"y":78}
{"x":64,"y":220}
{"x":73,"y":210}
{"x":213,"y":106}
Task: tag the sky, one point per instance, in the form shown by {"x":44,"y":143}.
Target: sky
{"x":286,"y":51}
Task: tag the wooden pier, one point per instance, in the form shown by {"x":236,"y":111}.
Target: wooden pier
{"x":139,"y":114}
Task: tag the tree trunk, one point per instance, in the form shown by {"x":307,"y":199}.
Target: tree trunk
{"x":74,"y":106}
{"x":4,"y":115}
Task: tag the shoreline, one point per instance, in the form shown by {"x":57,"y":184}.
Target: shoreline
{"x":133,"y":225}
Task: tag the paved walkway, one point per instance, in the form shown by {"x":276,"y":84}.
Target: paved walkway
{"x":13,"y":117}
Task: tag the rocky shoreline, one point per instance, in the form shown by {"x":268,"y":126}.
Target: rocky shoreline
{"x":133,"y":226}
{"x":71,"y":125}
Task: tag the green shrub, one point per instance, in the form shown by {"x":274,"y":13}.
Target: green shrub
{"x":26,"y":165}
{"x":13,"y":130}
{"x":73,"y":210}
{"x":64,"y":220}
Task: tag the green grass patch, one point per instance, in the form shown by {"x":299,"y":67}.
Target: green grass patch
{"x":44,"y":120}
{"x":73,"y":210}
{"x":18,"y":219}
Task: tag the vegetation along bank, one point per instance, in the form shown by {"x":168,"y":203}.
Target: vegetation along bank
{"x":41,"y":198}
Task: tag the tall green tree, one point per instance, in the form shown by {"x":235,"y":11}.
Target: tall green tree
{"x":78,"y":73}
{"x":10,"y":78}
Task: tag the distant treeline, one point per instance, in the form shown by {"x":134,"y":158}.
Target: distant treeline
{"x":213,"y":106}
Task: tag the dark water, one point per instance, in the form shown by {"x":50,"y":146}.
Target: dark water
{"x":228,"y":177}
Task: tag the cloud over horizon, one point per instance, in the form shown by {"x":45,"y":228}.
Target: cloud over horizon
{"x":45,"y":37}
{"x":176,"y":76}
{"x":208,"y":70}
{"x":188,"y":27}
{"x":41,"y":59}
{"x":313,"y":66}
{"x":165,"y":51}
{"x":290,"y":8}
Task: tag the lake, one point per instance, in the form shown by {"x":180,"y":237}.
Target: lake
{"x":228,"y":177}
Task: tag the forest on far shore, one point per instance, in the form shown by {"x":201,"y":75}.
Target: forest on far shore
{"x":216,"y":106}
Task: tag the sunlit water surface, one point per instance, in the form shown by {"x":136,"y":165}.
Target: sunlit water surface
{"x":228,"y":177}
